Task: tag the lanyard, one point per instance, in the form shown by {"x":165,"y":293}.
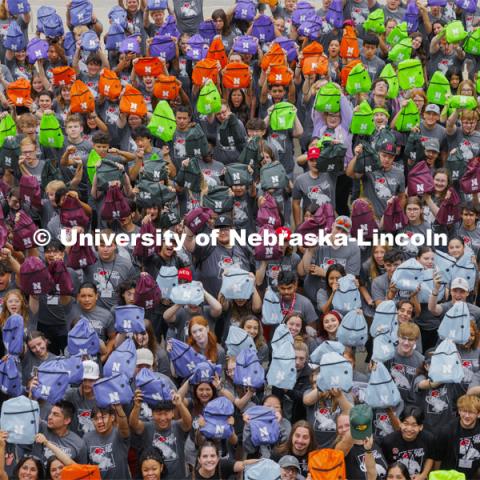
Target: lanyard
{"x":286,"y":311}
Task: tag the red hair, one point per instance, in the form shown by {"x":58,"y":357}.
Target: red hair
{"x":211,"y":351}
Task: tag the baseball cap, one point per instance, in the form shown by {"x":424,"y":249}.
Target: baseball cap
{"x":361,"y":417}
{"x":185,"y":274}
{"x":431,"y":107}
{"x":389,"y":147}
{"x":223,"y":221}
{"x":90,"y":370}
{"x":313,"y":153}
{"x":144,"y":357}
{"x":432,"y":144}
{"x":284,"y":230}
{"x":289,"y":461}
{"x":460,"y":282}
{"x":343,"y":222}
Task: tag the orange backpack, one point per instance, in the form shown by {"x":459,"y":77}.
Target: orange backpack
{"x":149,"y":66}
{"x":315,"y":65}
{"x":18,"y":92}
{"x":203,"y":70}
{"x":109,"y":84}
{"x":279,"y":75}
{"x":346,"y":71}
{"x":63,"y":75}
{"x":81,"y":98}
{"x":313,"y":49}
{"x":132,"y":102}
{"x":80,"y":472}
{"x":166,"y":87}
{"x":236,"y":75}
{"x":275,"y":56}
{"x":349,"y":44}
{"x":217,"y":52}
{"x":327,"y":464}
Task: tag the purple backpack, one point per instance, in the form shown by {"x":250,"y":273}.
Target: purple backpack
{"x":90,"y":41}
{"x":74,"y":366}
{"x":43,"y":13}
{"x":14,"y":38}
{"x":205,"y":373}
{"x":122,"y":360}
{"x":72,"y":213}
{"x":449,"y":212}
{"x":216,"y":415}
{"x":115,"y":205}
{"x":169,"y":28}
{"x":129,"y":319}
{"x":142,"y":251}
{"x":30,"y":192}
{"x":264,"y":426}
{"x":268,"y":213}
{"x":263,"y":29}
{"x":394,"y":217}
{"x":437,"y":3}
{"x":118,"y":15}
{"x":81,"y":12}
{"x":61,"y":278}
{"x":302,"y":13}
{"x":184,"y":358}
{"x":10,"y":378}
{"x":311,"y":28}
{"x":245,"y":10}
{"x":155,"y":387}
{"x":264,"y":252}
{"x":289,"y":46}
{"x":420,"y":180}
{"x":334,"y":14}
{"x":147,"y":292}
{"x":411,"y":16}
{"x":12,"y":334}
{"x":35,"y":278}
{"x":130,"y":44}
{"x":23,"y":232}
{"x":52,"y":382}
{"x":81,"y":256}
{"x":248,"y":371}
{"x":197,"y":218}
{"x":470,"y":181}
{"x":83,"y":339}
{"x":164,"y":47}
{"x":207,"y":30}
{"x":53,"y":26}
{"x":113,"y":390}
{"x":114,"y":37}
{"x":245,"y":44}
{"x":470,"y":6}
{"x":69,"y":44}
{"x":198,"y":47}
{"x":18,"y":7}
{"x":37,"y":49}
{"x":363,"y":219}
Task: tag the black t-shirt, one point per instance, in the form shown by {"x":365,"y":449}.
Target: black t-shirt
{"x":224,"y":471}
{"x":355,"y":463}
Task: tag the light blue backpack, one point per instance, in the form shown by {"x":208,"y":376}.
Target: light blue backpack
{"x":326,"y":347}
{"x":408,"y":275}
{"x":353,"y":330}
{"x":347,"y":297}
{"x":444,"y":263}
{"x":282,"y":372}
{"x":446,"y":365}
{"x":237,"y":284}
{"x":167,"y":278}
{"x":426,"y":287}
{"x":280,"y":337}
{"x":456,"y":324}
{"x":335,"y":372}
{"x":465,"y":268}
{"x":21,"y":419}
{"x":271,"y":309}
{"x":188,"y":293}
{"x":381,"y":391}
{"x":385,"y":319}
{"x":383,"y":347}
{"x":265,"y":469}
{"x":238,"y":340}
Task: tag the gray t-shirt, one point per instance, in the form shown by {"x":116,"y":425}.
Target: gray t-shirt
{"x":438,"y":132}
{"x":302,"y":306}
{"x":470,"y":237}
{"x":404,"y":370}
{"x":318,"y":190}
{"x":82,"y":421}
{"x":100,"y":318}
{"x":374,"y":66}
{"x":469,"y":145}
{"x":189,"y":14}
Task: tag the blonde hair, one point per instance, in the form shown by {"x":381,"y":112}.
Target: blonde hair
{"x":469,"y":403}
{"x":54,"y":185}
{"x":409,"y":330}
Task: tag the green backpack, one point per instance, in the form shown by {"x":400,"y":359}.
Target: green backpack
{"x":219,"y":199}
{"x":8,"y":128}
{"x":410,"y":74}
{"x":190,"y":176}
{"x":401,"y":51}
{"x":328,"y":98}
{"x":163,"y":124}
{"x":358,"y":80}
{"x":438,"y":89}
{"x":472,"y":43}
{"x":331,"y":157}
{"x":151,"y":194}
{"x":155,"y":170}
{"x":375,"y":22}
{"x":362,"y":120}
{"x":92,"y":160}
{"x":237,"y":174}
{"x":283,"y":116}
{"x":478,"y":85}
{"x":446,"y":475}
{"x":368,"y":161}
{"x":398,"y":33}
{"x":388,"y":73}
{"x":196,"y":143}
{"x":273,"y":176}
{"x":51,"y":134}
{"x":408,"y":117}
{"x":455,"y":32}
{"x":108,"y":172}
{"x":209,"y":100}
{"x":462,"y":101}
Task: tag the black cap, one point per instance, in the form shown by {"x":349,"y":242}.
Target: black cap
{"x":223,"y":221}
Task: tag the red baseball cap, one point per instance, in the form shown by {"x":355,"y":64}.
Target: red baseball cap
{"x":313,"y":153}
{"x":284,"y":230}
{"x":185,"y":274}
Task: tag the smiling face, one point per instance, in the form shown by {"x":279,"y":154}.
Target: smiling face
{"x":456,"y":248}
{"x":13,"y":302}
{"x":163,"y":418}
{"x":199,"y":334}
{"x":251,"y":327}
{"x":440,"y":182}
{"x":468,"y":418}
{"x":38,"y":346}
{"x":28,"y":471}
{"x":330,"y":323}
{"x":300,"y":441}
{"x":151,"y":469}
{"x":204,"y":393}
{"x":294,"y":325}
{"x":405,"y":313}
{"x":87,"y":299}
{"x":208,"y":459}
{"x":410,"y":429}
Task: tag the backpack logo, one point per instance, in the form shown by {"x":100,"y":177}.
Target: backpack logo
{"x":38,"y":53}
{"x":106,"y":89}
{"x":37,"y":287}
{"x":148,"y":69}
{"x":116,"y":367}
{"x":236,"y":176}
{"x":127,"y":324}
{"x":447,"y":369}
{"x":218,"y":204}
{"x":335,"y":380}
{"x":219,"y":429}
{"x":245,"y":45}
{"x":420,"y":188}
{"x":114,"y":397}
{"x":157,"y":396}
{"x":45,"y":390}
{"x":83,"y":105}
{"x":474,"y":183}
{"x":263,"y":431}
{"x":247,"y":381}
{"x":236,"y":81}
{"x":149,"y":304}
{"x":191,"y":366}
{"x":83,"y":262}
{"x":19,"y":429}
{"x":349,"y":51}
{"x":133,"y":107}
{"x":269,"y":251}
{"x":275,"y":180}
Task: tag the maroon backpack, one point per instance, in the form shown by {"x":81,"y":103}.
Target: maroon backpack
{"x":263,"y":252}
{"x":197,"y":218}
{"x":30,"y":192}
{"x":81,"y":257}
{"x":363,"y":218}
{"x":311,"y":225}
{"x":23,"y":232}
{"x":420,"y":180}
{"x":394,"y":217}
{"x":140,"y":250}
{"x":115,"y":205}
{"x":3,"y":235}
{"x":325,"y":216}
{"x":35,"y":278}
{"x":4,"y":189}
{"x":470,"y":181}
{"x":268,"y":213}
{"x":147,"y":292}
{"x":72,"y":213}
{"x":449,"y":211}
{"x":63,"y":284}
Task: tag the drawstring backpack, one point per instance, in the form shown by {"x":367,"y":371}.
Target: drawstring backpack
{"x":326,"y":347}
{"x":346,"y":297}
{"x":362,"y":120}
{"x":147,"y":292}
{"x":155,"y":170}
{"x":289,"y":46}
{"x":81,"y":98}
{"x":142,"y":251}
{"x":18,"y":7}
{"x":184,"y":358}
{"x":334,"y":15}
{"x":245,"y":44}
{"x":216,"y":415}
{"x":81,"y":12}
{"x":115,"y":205}
{"x":394,"y":218}
{"x":408,"y":117}
{"x":385,"y":318}
{"x":388,"y":73}
{"x":263,"y":29}
{"x":315,"y":65}
{"x":53,"y":26}
{"x":313,"y":50}
{"x":345,"y":72}
{"x":466,"y":269}
{"x":189,"y":176}
{"x":196,"y":145}
{"x":131,"y":44}
{"x":108,"y":172}
{"x":397,"y":34}
{"x":129,"y":319}
{"x":410,"y":74}
{"x":42,"y":14}
{"x":237,"y":174}
{"x":62,"y":280}
{"x":381,"y":391}
{"x":438,"y":89}
{"x":53,"y":381}
{"x":455,"y":32}
{"x":155,"y":386}
{"x":236,"y":75}
{"x":263,"y":252}
{"x":163,"y":46}
{"x":12,"y":334}
{"x":470,"y":181}
{"x":427,"y":286}
{"x":217,"y":53}
{"x":279,"y":75}
{"x":63,"y":76}
{"x":455,"y":324}
{"x":236,"y":284}
{"x":248,"y":371}
{"x":238,"y":340}
{"x":363,"y":219}
{"x":166,"y":87}
{"x":449,"y":212}
{"x":444,"y":265}
{"x":169,"y":27}
{"x":209,"y":100}
{"x":197,"y":218}
{"x":188,"y":294}
{"x":30,"y":191}
{"x":472,"y":43}
{"x":408,"y":275}
{"x":122,"y":360}
{"x":10,"y":377}
{"x":50,"y":134}
{"x":327,"y":464}
{"x":375,"y":21}
{"x":18,"y":92}
{"x":353,"y":329}
{"x":133,"y":102}
{"x":204,"y":373}
{"x":8,"y":128}
{"x":420,"y":179}
{"x":412,"y":16}
{"x":83,"y":339}
{"x":115,"y":36}
{"x":203,"y":71}
{"x":264,"y":427}
{"x":271,"y":308}
{"x":328,"y":98}
{"x":268,"y":213}
{"x":469,"y":6}
{"x":335,"y":372}
{"x":273,"y":176}
{"x":35,"y":278}
{"x":282,"y":372}
{"x":282,"y":116}
{"x":81,"y":472}
{"x":281,"y":336}
{"x":462,"y":101}
{"x":20,"y":418}
{"x":383,"y":346}
{"x":109,"y":84}
{"x":332,"y":157}
{"x":401,"y":51}
{"x":265,"y":469}
{"x":72,"y":213}
{"x":219,"y":199}
{"x":244,"y":10}
{"x":198,"y":48}
{"x":446,"y":365}
{"x":74,"y":366}
{"x":113,"y":390}
{"x":14,"y":39}
{"x":148,"y":66}
{"x":23,"y":232}
{"x":167,"y":278}
{"x":37,"y":49}
{"x":89,"y":41}
{"x":358,"y":80}
{"x":446,"y":474}
{"x":311,"y":28}
{"x":349,"y":43}
{"x":302,"y":12}
{"x":414,"y":149}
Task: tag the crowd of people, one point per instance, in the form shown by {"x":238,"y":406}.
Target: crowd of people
{"x":216,"y":360}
